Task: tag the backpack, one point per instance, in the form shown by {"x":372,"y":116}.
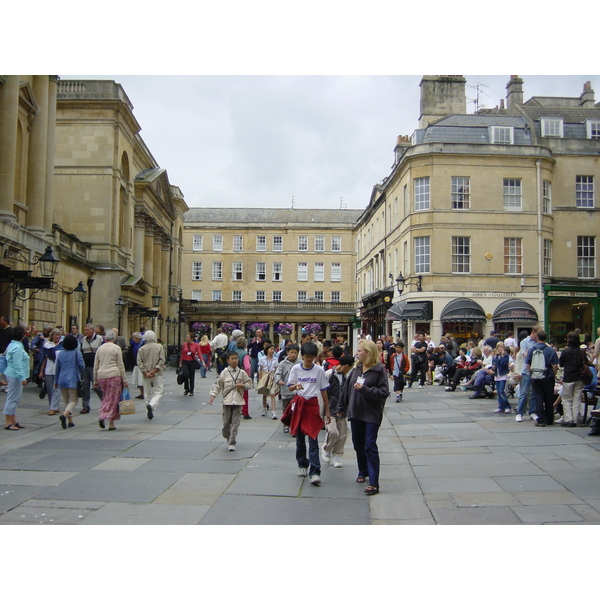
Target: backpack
{"x":538,"y":364}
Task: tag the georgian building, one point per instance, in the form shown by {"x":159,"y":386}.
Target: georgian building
{"x":77,"y":176}
{"x":486,"y":221}
{"x":273,"y":266}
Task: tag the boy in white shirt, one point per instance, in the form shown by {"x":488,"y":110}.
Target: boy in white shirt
{"x":309,"y":382}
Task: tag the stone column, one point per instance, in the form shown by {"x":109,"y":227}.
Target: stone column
{"x":9,"y":112}
{"x":51,"y":136}
{"x":148,"y":252}
{"x":157,"y":264}
{"x":38,"y":147}
{"x":163,"y":285}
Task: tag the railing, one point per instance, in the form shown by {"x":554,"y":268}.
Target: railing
{"x":196,"y":306}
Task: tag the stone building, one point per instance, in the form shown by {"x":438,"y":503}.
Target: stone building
{"x":486,"y":221}
{"x":273,"y":266}
{"x":76,"y":175}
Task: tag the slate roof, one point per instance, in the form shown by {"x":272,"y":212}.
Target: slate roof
{"x":272,"y":215}
{"x":568,"y":115}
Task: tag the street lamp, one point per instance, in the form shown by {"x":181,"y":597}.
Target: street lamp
{"x":160,"y":322}
{"x":120,"y":305}
{"x":168,"y":322}
{"x":401,"y":281}
{"x":79,"y":293}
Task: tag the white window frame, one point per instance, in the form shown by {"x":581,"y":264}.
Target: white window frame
{"x":276,"y":296}
{"x":261,"y":296}
{"x":461,"y":254}
{"x":584,"y":191}
{"x":593,"y":129}
{"x":320,"y":296}
{"x":422,"y":193}
{"x":513,"y":256}
{"x":546,"y":197}
{"x":238,"y":243}
{"x":336,"y":271}
{"x":302,"y":243}
{"x":261,"y":271}
{"x":277,"y":271}
{"x":336,"y":243}
{"x":217,"y":271}
{"x":551,"y":127}
{"x":277,"y":243}
{"x":502,"y":135}
{"x":236,"y":295}
{"x":302,"y":271}
{"x":261,"y":243}
{"x":319,"y":243}
{"x":197,"y":295}
{"x":512,"y":194}
{"x":336,"y":296}
{"x":547,"y":258}
{"x":422,"y":246}
{"x":586,"y":256}
{"x":302,"y":296}
{"x":196,"y":271}
{"x":319,"y":271}
{"x":217,"y":295}
{"x":461,"y":193}
{"x":197,"y":243}
{"x":237,"y":271}
{"x":217,"y":243}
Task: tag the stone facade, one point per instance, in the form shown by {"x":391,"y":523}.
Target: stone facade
{"x":272,"y":266}
{"x":489,"y":207}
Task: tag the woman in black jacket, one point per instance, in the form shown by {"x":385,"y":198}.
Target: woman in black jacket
{"x":572,"y":359}
{"x":367,"y":392}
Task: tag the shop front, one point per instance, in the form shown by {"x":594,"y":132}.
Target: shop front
{"x":372,"y":313}
{"x":514,"y":315}
{"x":569,"y":308}
{"x":420,"y":313}
{"x":463,"y":318}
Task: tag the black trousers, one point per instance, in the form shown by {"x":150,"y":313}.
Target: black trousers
{"x":189,"y":374}
{"x":544,"y":393}
{"x":418,"y":366}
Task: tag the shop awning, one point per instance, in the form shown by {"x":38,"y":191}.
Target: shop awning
{"x":463,"y":310}
{"x":410,"y":311}
{"x":513,"y":310}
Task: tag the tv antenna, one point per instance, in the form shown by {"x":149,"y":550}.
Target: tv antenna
{"x":477,"y":104}
{"x":342,"y":203}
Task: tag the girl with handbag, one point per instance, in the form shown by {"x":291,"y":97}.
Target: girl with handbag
{"x":189,"y":361}
{"x":267,"y":366}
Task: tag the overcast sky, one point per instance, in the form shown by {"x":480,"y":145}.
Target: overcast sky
{"x":262,"y":140}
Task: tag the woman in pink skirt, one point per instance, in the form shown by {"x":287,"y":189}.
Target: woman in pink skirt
{"x":109,"y":376}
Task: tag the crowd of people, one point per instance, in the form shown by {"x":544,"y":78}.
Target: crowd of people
{"x":318,"y":384}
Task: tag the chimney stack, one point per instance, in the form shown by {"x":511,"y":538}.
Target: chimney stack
{"x":441,"y":96}
{"x":586,"y":100}
{"x":514,"y":92}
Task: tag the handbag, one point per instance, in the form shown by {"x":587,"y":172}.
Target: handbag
{"x":180,"y":376}
{"x":196,"y":364}
{"x":127,"y":405}
{"x":265,"y":384}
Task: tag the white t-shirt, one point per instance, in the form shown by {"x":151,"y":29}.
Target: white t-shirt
{"x":313,"y":380}
{"x":268,"y":365}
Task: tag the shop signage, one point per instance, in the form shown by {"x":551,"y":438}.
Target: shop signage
{"x":565,"y":294}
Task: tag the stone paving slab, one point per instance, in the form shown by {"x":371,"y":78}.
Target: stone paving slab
{"x":12,"y":496}
{"x":25,"y":515}
{"x":255,"y":510}
{"x":68,"y":460}
{"x":547,"y":513}
{"x":120,"y":513}
{"x":170,"y":449}
{"x":41,"y":478}
{"x":489,"y":515}
{"x":112,"y":486}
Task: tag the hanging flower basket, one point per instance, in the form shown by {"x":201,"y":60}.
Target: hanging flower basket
{"x":228,"y":327}
{"x":254,"y":326}
{"x":285,"y":328}
{"x":201,"y":328}
{"x":313,"y":328}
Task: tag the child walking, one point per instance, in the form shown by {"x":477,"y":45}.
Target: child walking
{"x":310,"y":384}
{"x":282,"y":374}
{"x":400,"y":369}
{"x":231,"y":384}
{"x":500,"y":364}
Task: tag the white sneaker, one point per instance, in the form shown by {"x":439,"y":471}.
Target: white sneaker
{"x":231,"y":448}
{"x":315,"y":479}
{"x":507,"y":411}
{"x":264,"y":412}
{"x":337,"y":460}
{"x":561,"y":420}
{"x":498,"y":410}
{"x":533,"y":417}
{"x":518,"y":418}
{"x":273,"y":416}
{"x":421,"y":387}
{"x":325,"y":456}
{"x":302,"y":472}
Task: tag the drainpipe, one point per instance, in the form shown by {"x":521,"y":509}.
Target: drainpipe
{"x":538,"y":168}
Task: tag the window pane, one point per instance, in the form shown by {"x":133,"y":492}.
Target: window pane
{"x":216,"y":295}
{"x":277,"y":271}
{"x":461,"y":254}
{"x":319,"y":243}
{"x":302,"y":243}
{"x":197,"y":271}
{"x":546,"y":197}
{"x":512,"y":194}
{"x":277,"y":296}
{"x":261,"y":271}
{"x":336,"y":271}
{"x":422,"y":193}
{"x":238,"y":243}
{"x":236,"y":295}
{"x":586,"y":256}
{"x":548,"y":258}
{"x":261,"y":243}
{"x":301,"y":295}
{"x":584,"y":191}
{"x":319,"y":272}
{"x":237,"y":271}
{"x":197,"y":243}
{"x":303,"y":271}
{"x":512,"y":256}
{"x":460,"y":193}
{"x":217,"y":270}
{"x":277,"y":243}
{"x":422,"y":255}
{"x":335,"y":296}
{"x":217,"y":243}
{"x":336,"y":243}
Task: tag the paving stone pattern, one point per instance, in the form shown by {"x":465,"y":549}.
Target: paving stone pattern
{"x":445,"y":459}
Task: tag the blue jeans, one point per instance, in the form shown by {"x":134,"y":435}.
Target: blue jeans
{"x":87,"y":380}
{"x":364,"y":439}
{"x":503,"y":402}
{"x":313,"y":454}
{"x":524,"y":387}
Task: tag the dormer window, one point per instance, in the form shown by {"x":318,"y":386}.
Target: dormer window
{"x":593,"y":130}
{"x":502,"y":135}
{"x":552,"y":127}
